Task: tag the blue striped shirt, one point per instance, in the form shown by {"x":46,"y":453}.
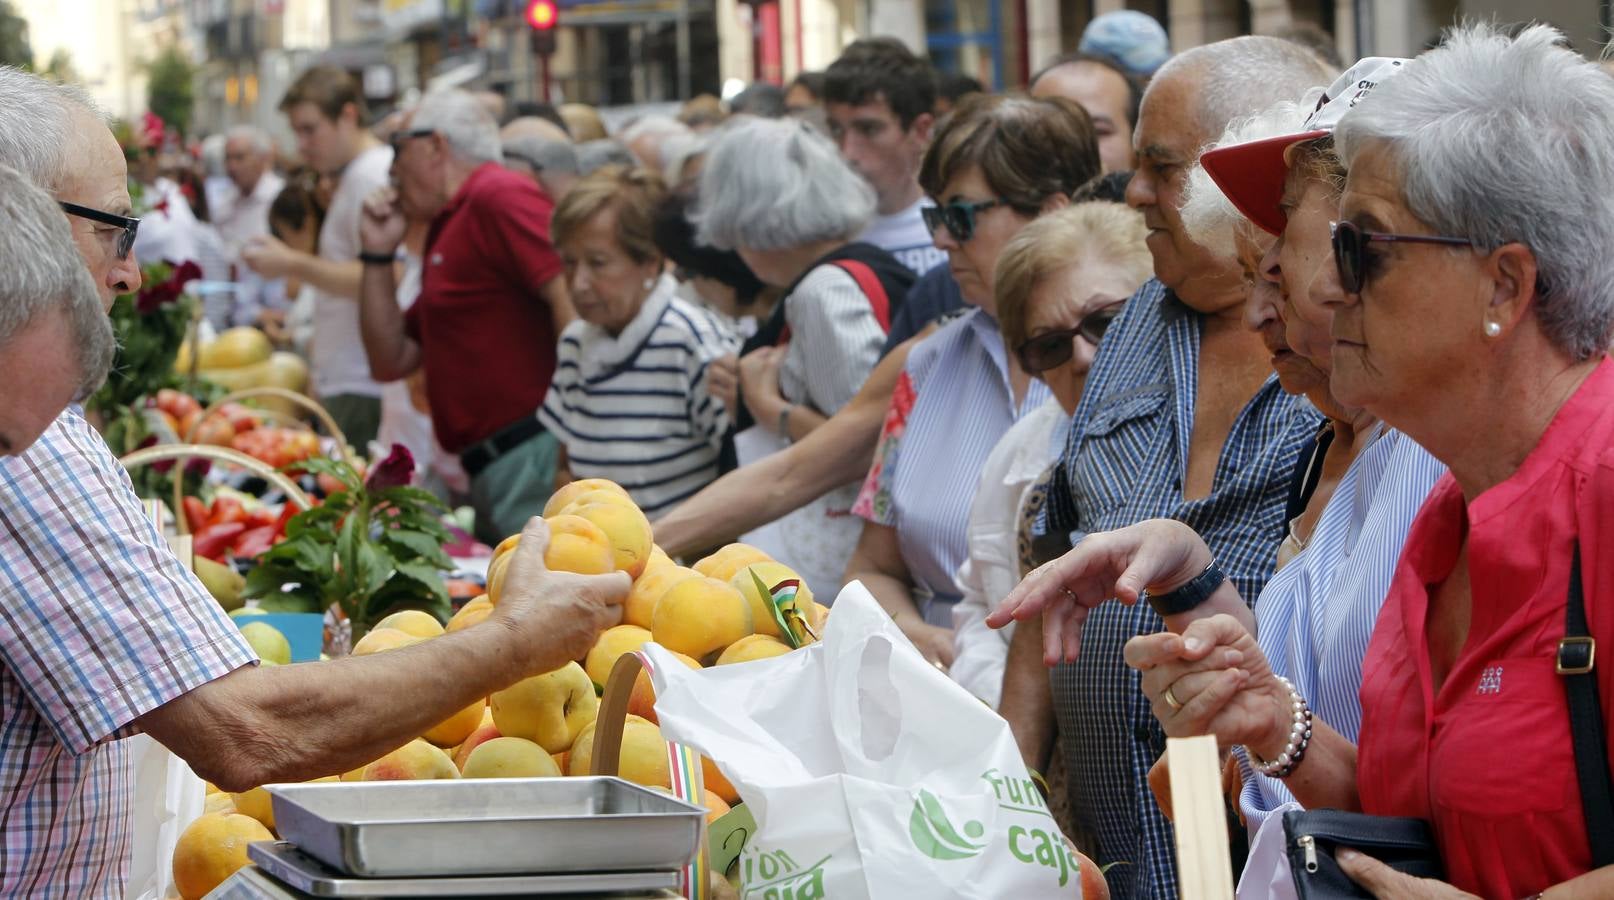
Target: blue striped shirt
{"x":1317,"y":613}
{"x":963,"y":405}
{"x":1126,"y":460}
{"x":634,"y":408}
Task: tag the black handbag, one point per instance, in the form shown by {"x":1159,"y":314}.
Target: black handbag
{"x":1408,"y":845}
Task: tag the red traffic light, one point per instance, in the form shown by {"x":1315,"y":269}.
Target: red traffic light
{"x":542,"y":14}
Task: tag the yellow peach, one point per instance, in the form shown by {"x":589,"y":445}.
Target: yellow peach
{"x":613,"y":642}
{"x":752,"y":647}
{"x":625,"y":527}
{"x":698,"y":617}
{"x":648,"y":588}
{"x":578,"y":545}
{"x":772,"y":575}
{"x":564,"y":497}
{"x":419,"y":623}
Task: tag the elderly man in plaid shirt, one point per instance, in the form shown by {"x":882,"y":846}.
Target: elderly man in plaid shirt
{"x":1181,"y":418}
{"x":102,"y":632}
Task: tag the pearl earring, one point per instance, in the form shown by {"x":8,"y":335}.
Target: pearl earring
{"x":649,"y":283}
{"x":1492,"y":329}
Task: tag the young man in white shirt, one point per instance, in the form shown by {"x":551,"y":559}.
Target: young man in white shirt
{"x":326,"y":110}
{"x":878,"y":97}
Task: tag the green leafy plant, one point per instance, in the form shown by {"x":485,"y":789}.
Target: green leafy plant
{"x":372,"y":549}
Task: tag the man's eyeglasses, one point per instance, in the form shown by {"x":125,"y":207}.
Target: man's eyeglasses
{"x":957,"y":216}
{"x":398,"y":138}
{"x":128,"y":224}
{"x":1053,"y":349}
{"x":1355,"y":263}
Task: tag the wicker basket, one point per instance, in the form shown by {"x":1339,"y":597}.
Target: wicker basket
{"x":183,"y":453}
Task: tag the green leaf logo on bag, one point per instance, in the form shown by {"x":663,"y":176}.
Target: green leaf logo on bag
{"x":934,"y":835}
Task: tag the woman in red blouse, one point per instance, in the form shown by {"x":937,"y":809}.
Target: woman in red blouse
{"x":1475,"y":243}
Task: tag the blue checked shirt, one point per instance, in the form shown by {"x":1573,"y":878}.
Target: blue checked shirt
{"x":1125,"y":462}
{"x":99,"y":625}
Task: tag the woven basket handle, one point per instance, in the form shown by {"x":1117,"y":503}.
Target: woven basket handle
{"x":183,"y":453}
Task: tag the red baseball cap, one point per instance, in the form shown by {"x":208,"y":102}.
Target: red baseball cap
{"x":1251,"y":174}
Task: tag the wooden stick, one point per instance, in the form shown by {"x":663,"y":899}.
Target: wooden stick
{"x":1204,"y":866}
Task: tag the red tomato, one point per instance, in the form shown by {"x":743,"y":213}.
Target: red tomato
{"x":254,"y":542}
{"x":212,"y":541}
{"x":196,"y":514}
{"x":177,"y":403}
{"x":226,"y":510}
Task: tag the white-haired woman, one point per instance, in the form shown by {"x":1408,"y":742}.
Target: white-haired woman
{"x":778,"y":193}
{"x":1476,"y":323}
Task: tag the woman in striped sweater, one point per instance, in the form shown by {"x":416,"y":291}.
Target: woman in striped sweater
{"x":629,"y":400}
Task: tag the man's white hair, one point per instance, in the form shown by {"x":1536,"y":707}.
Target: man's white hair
{"x":1240,"y":76}
{"x":44,"y":271}
{"x":254,"y":136}
{"x":1211,"y":219}
{"x":463,"y":121}
{"x":774,"y":184}
{"x":36,"y":125}
{"x":1502,"y":139}
{"x":662,"y":129}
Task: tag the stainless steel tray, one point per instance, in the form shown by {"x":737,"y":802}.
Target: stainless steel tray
{"x":307,"y":874}
{"x":487,"y":826}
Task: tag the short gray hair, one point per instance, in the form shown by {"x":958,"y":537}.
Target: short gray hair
{"x":1500,"y":139}
{"x":595,"y":155}
{"x":1242,"y":75}
{"x":257,"y":137}
{"x":772,"y":184}
{"x":1211,"y":219}
{"x":36,"y":124}
{"x":661,"y":128}
{"x":463,"y":121}
{"x":549,"y":156}
{"x":44,"y":271}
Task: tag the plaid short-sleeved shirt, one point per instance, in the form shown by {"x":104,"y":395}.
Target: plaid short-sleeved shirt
{"x":99,"y":624}
{"x":1125,"y":461}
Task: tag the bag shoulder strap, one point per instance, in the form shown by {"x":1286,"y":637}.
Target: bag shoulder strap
{"x":1576,"y":657}
{"x":870,"y":284}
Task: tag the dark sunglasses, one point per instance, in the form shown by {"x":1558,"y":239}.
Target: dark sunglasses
{"x":957,"y":216}
{"x":129,"y":225}
{"x":1055,"y":348}
{"x":1356,"y":264}
{"x":397,"y":138}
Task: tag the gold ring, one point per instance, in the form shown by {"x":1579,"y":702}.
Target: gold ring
{"x":1171,"y":699}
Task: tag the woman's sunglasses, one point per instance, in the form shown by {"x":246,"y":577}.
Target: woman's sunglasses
{"x":957,"y":216}
{"x":1055,"y":348}
{"x":129,"y":225}
{"x":1355,"y":263}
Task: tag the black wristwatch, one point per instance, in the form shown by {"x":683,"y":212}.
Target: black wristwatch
{"x":1190,"y":594}
{"x":371,"y":258}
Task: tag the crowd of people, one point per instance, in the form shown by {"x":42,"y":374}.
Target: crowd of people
{"x":1220,"y":393}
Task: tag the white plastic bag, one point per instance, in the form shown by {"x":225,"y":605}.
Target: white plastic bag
{"x":870,"y":773}
{"x":167,"y":796}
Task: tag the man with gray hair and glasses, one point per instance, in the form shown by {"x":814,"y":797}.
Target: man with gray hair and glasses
{"x":103,"y":633}
{"x":491,"y":307}
{"x":47,"y":302}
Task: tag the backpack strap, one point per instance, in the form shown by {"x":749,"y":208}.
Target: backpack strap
{"x":869,"y":283}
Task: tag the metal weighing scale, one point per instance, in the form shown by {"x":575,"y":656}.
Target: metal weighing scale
{"x":547,"y":838}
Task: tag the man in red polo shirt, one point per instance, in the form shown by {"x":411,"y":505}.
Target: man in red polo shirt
{"x":490,"y":309}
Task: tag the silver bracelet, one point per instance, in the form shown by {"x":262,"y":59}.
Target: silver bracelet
{"x":1299,"y":738}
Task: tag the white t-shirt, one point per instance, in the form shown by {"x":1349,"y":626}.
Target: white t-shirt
{"x":340,"y":366}
{"x":905,"y":236}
